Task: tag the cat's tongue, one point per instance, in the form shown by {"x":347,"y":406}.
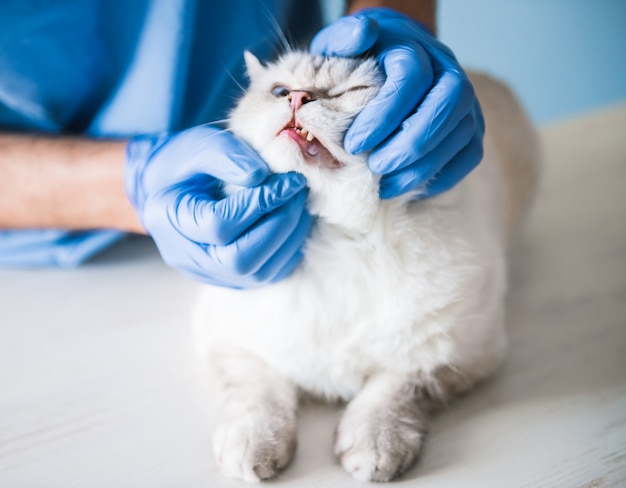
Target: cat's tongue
{"x":311,"y":148}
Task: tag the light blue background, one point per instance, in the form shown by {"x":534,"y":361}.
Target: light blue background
{"x":562,"y":57}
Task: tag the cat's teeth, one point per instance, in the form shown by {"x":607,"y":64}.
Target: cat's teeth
{"x":304,"y":134}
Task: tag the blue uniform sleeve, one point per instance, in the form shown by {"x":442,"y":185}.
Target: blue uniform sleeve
{"x":51,"y":247}
{"x":55,"y":67}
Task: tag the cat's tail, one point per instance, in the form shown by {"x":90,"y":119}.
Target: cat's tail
{"x":513,"y":143}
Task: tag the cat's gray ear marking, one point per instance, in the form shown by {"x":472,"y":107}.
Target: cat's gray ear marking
{"x":253,"y":65}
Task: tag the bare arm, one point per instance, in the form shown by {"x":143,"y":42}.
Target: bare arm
{"x":423,"y":11}
{"x":63,"y":182}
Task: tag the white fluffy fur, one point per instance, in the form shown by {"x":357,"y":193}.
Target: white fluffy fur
{"x":396,"y":296}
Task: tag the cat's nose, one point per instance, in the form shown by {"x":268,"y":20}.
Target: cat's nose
{"x":297,"y":98}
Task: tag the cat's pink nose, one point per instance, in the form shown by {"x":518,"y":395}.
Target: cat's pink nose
{"x":297,"y":98}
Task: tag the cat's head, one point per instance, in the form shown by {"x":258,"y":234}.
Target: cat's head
{"x":296,"y":112}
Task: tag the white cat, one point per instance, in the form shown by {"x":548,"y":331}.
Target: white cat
{"x":397,"y":303}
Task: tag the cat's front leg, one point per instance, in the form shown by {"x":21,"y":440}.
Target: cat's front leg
{"x":256,"y":433}
{"x":382,"y":430}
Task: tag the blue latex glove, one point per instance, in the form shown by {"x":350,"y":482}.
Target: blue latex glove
{"x":425,"y":126}
{"x":244,"y":240}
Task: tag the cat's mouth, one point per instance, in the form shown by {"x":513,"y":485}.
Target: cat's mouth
{"x":310,"y":146}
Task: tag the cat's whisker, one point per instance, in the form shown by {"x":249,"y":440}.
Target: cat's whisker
{"x":218,"y":132}
{"x":279,"y":34}
{"x":237,"y":82}
{"x":219,"y":122}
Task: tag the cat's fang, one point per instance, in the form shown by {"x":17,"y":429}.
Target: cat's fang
{"x":305,"y":134}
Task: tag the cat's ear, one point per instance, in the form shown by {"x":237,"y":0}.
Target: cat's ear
{"x":253,"y":65}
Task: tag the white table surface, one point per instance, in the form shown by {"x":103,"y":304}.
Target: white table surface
{"x":99,"y":385}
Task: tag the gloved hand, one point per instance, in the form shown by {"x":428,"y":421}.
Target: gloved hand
{"x":425,"y":126}
{"x":243,"y":240}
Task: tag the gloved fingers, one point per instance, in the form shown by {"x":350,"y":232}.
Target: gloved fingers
{"x":479,"y":118}
{"x":248,"y":254}
{"x":348,"y":36}
{"x":448,"y":102}
{"x":204,"y":219}
{"x":458,"y":167}
{"x":409,"y":77}
{"x":207,"y":150}
{"x":403,"y":149}
{"x":289,"y":267}
{"x":401,"y":26}
{"x":410,"y":177}
{"x":282,"y":263}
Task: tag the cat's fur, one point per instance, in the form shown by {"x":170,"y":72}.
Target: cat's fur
{"x":396,"y":304}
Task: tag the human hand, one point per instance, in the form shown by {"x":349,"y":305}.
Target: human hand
{"x":425,"y":127}
{"x":244,"y":240}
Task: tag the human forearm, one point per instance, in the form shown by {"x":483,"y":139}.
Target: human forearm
{"x":63,"y":182}
{"x":423,"y":11}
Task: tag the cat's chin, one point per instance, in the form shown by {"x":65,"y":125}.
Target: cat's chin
{"x":333,"y":191}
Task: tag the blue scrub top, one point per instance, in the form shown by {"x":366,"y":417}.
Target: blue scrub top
{"x":108,"y":68}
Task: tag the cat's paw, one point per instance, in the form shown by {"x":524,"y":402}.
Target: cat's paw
{"x":255,"y":445}
{"x":377,"y":446}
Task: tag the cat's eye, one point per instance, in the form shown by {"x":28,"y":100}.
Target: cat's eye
{"x":343,"y":91}
{"x":280,"y":91}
